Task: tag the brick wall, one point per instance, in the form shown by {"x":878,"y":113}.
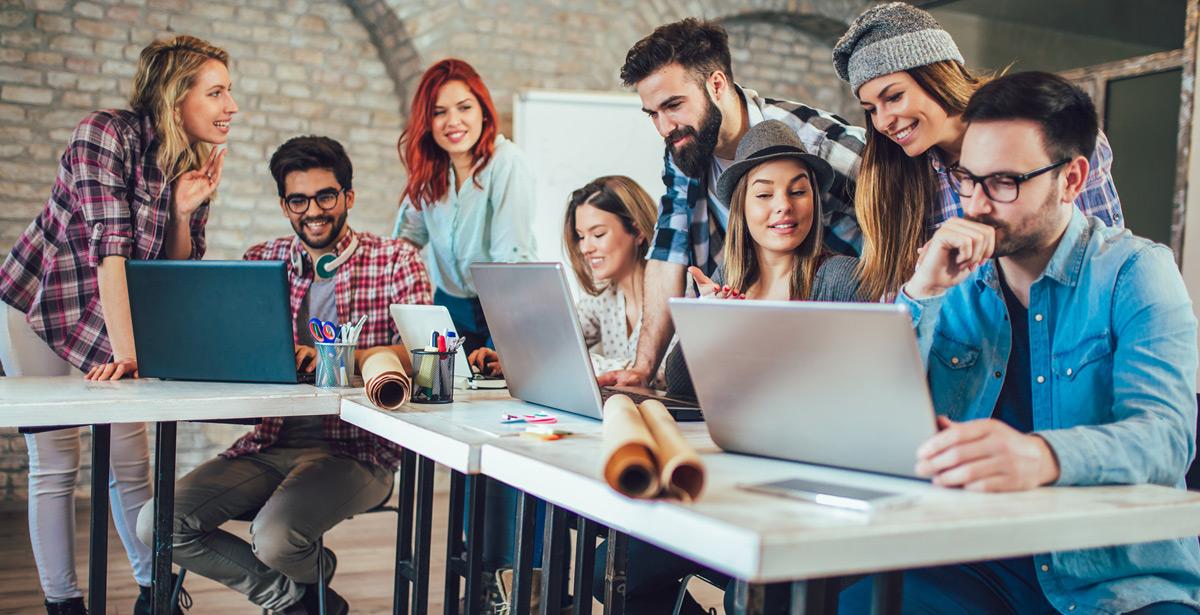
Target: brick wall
{"x":345,"y":69}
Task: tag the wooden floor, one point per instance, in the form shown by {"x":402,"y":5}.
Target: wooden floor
{"x":365,"y":547}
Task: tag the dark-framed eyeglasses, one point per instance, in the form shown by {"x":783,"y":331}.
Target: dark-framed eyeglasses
{"x":326,"y":200}
{"x":999,"y":187}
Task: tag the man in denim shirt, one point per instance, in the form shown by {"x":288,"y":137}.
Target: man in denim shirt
{"x":1059,"y":352}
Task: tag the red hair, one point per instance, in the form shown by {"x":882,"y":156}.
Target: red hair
{"x":427,"y":163}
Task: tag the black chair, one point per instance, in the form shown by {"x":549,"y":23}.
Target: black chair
{"x":249,"y":516}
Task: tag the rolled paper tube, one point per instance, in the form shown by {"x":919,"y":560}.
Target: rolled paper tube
{"x":680,"y":469}
{"x":629,"y":465}
{"x":386,"y":384}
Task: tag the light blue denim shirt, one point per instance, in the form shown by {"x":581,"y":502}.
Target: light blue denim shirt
{"x":1112,"y":342}
{"x":490,"y":222}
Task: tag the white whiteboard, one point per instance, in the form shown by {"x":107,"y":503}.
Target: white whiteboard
{"x":571,"y":138}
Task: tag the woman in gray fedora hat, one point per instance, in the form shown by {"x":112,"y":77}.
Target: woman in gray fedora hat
{"x":773,"y":251}
{"x":773,"y":247}
{"x":913,"y":85}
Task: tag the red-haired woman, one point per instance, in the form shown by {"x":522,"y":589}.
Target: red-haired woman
{"x":470,"y":190}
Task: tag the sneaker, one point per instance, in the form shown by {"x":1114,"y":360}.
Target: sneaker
{"x":504,"y":580}
{"x":145,"y":599}
{"x":70,"y":606}
{"x":310,"y":601}
{"x":493,"y":601}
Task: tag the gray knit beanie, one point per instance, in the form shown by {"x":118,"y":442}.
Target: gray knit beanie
{"x":890,"y":38}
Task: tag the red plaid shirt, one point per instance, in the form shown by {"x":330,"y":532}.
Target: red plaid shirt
{"x":110,"y":198}
{"x":381,"y":272}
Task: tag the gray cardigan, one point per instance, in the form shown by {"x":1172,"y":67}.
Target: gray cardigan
{"x":836,"y":280}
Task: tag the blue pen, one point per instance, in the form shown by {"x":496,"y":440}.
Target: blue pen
{"x":433,"y":338}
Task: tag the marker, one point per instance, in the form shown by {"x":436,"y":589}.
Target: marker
{"x":441,"y":343}
{"x":433,"y":338}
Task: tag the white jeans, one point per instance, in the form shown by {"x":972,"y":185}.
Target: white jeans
{"x":54,"y":472}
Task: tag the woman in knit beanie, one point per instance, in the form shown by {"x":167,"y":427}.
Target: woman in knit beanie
{"x":911,"y":80}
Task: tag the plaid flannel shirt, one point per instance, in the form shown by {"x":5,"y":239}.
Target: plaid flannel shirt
{"x":691,"y":223}
{"x":1098,"y":198}
{"x":381,"y":272}
{"x":109,"y":198}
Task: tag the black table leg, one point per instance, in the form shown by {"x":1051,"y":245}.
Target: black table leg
{"x":887,"y":592}
{"x":585,"y":564}
{"x":403,"y":572}
{"x":405,"y":569}
{"x":465,"y":563}
{"x":424,"y":535}
{"x":454,"y":542}
{"x":164,"y":511}
{"x":518,"y":599}
{"x":555,"y":543}
{"x":749,"y":598}
{"x":814,"y":597}
{"x":98,"y":547}
{"x":615,"y":573}
{"x":477,"y":492}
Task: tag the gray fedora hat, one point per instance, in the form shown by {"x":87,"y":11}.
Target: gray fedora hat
{"x":771,"y":140}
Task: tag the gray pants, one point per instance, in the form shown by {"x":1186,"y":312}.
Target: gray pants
{"x":299,"y":494}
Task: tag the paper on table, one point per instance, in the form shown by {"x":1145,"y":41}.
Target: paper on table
{"x":386,"y":384}
{"x":680,"y":470}
{"x":629,"y":465}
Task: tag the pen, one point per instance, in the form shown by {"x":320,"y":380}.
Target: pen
{"x":433,"y":338}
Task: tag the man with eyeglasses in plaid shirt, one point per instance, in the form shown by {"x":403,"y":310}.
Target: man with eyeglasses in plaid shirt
{"x":303,"y":474}
{"x":683,"y":74}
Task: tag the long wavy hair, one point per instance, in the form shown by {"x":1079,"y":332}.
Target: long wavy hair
{"x":620,"y":196}
{"x":741,"y":251}
{"x":166,"y":71}
{"x":427,"y":163}
{"x":894,"y":191}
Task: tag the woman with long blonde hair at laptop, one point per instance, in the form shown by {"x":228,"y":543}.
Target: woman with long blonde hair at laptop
{"x":132,"y":184}
{"x":606,"y":233}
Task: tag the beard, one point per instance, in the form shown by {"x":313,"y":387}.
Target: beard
{"x":695,"y":157}
{"x":1027,"y":234}
{"x":335,"y":230}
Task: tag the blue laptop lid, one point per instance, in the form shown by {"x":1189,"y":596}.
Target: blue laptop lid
{"x":212,"y":320}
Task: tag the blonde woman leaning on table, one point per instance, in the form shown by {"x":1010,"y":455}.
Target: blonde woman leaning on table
{"x":131,"y":184}
{"x":606,"y":234}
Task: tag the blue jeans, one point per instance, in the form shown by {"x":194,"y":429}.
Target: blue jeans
{"x":467,"y":315}
{"x":1001,"y":587}
{"x":500,"y":526}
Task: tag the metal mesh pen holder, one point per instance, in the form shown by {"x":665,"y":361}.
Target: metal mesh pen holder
{"x":335,"y":365}
{"x":434,"y":379}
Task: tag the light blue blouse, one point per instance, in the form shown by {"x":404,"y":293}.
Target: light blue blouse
{"x":491,"y":222}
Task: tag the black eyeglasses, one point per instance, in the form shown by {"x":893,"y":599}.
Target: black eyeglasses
{"x":999,"y":187}
{"x":326,"y":200}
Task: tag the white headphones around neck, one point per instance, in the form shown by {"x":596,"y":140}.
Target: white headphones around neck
{"x":327,"y":264}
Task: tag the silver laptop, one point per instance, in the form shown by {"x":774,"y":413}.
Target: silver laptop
{"x":836,"y":384}
{"x":416,"y":322}
{"x":533,"y":323}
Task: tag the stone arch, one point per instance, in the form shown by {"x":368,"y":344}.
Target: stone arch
{"x":396,"y":49}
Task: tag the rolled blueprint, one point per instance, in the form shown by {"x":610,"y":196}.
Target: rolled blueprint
{"x":629,"y":465}
{"x":386,"y":384}
{"x":680,"y":470}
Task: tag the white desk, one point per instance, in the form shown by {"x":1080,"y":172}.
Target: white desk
{"x":452,"y":435}
{"x":71,"y":400}
{"x":759,"y":539}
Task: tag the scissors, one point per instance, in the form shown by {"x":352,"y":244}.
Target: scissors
{"x":323,"y":330}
